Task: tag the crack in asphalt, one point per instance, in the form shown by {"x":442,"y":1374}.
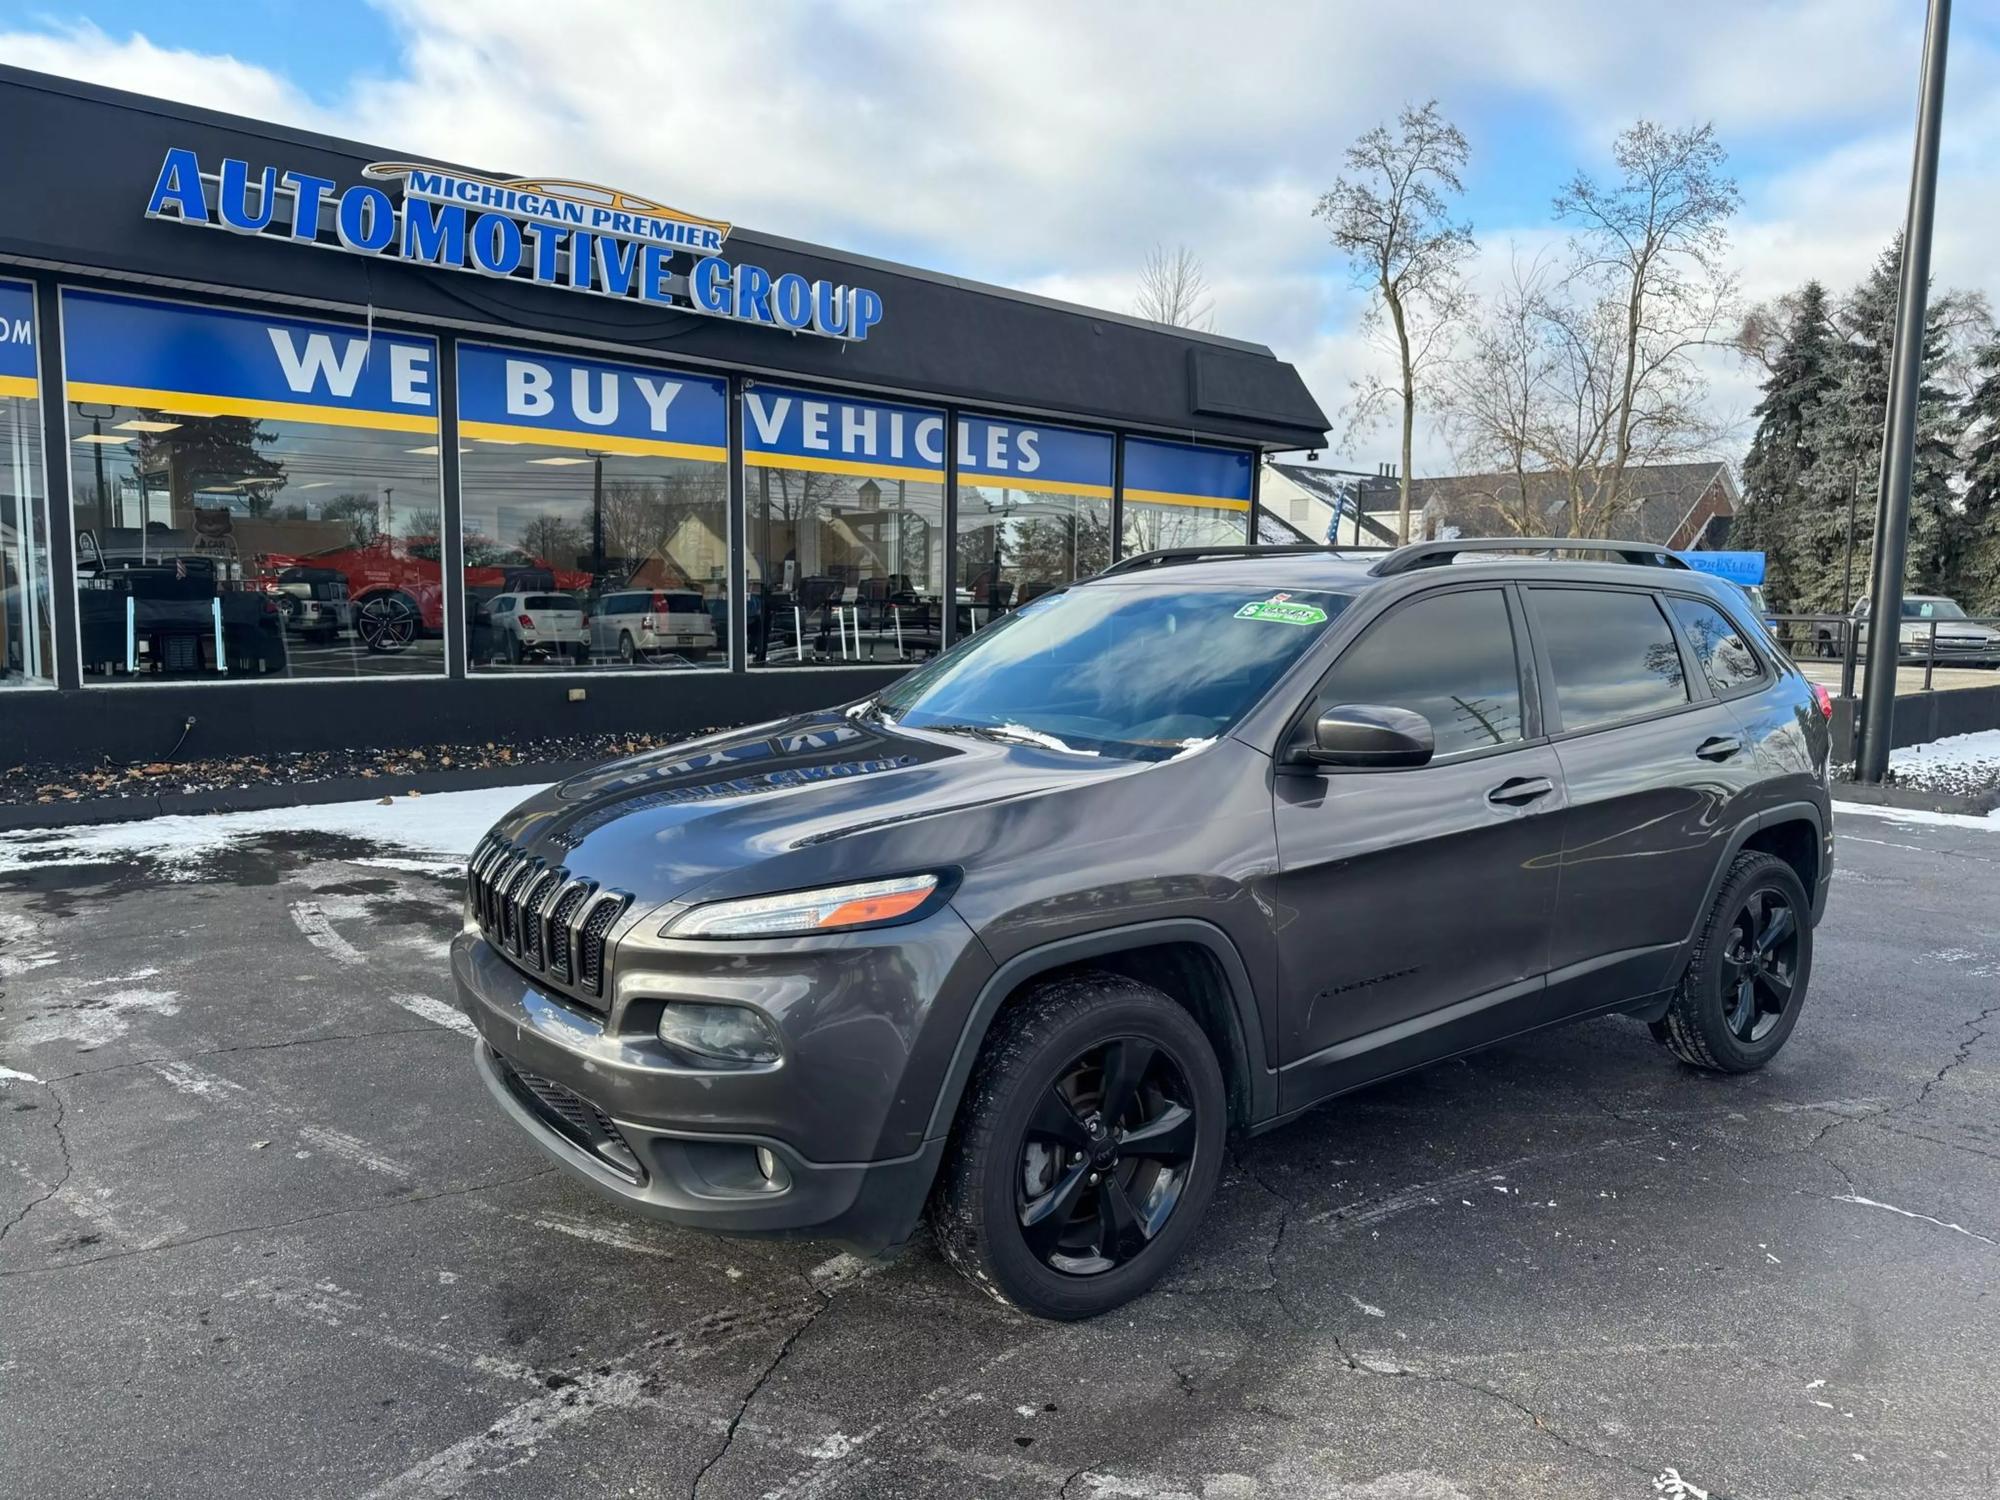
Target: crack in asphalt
{"x":68,"y":1165}
{"x":242,"y":1229}
{"x":783,"y":1352}
{"x":1541,"y":1424}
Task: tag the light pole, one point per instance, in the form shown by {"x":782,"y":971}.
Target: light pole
{"x":1892,"y":524}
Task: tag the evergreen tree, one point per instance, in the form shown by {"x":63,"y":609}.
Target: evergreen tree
{"x":1977,"y":585}
{"x":1782,"y":455}
{"x":1844,"y":432}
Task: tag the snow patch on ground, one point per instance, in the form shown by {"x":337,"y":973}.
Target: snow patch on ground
{"x":179,"y":847}
{"x":1990,"y":823}
{"x":1964,"y":764}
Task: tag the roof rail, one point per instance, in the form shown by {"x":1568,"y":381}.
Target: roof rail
{"x":1437,"y":554}
{"x":1169,"y":556}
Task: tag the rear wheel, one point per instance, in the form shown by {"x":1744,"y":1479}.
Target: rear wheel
{"x":1743,"y":988}
{"x":1087,"y":1148}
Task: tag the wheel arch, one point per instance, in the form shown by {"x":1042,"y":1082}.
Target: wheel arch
{"x":1193,"y":962}
{"x":1794,"y":832}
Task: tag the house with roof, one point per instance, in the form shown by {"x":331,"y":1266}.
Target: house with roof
{"x":1685,"y":507}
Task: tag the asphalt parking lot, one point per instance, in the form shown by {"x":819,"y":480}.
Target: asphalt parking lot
{"x":265,"y":1234}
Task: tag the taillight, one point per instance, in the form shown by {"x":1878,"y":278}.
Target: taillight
{"x":1824,"y":699}
{"x":527,"y":622}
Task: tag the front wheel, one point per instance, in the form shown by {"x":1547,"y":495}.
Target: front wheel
{"x":1744,"y":986}
{"x":1086,"y":1150}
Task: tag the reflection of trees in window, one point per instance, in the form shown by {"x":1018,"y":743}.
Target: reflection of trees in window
{"x":555,"y":540}
{"x":643,"y":518}
{"x":212,"y":453}
{"x":363,"y":513}
{"x":1154,"y":527}
{"x":1663,"y":660}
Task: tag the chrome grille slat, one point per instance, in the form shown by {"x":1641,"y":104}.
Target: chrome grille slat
{"x":549,"y":924}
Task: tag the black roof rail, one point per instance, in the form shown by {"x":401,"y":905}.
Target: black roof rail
{"x":1169,"y":556}
{"x":1437,"y":554}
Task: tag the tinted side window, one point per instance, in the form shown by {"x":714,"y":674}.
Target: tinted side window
{"x":1451,"y":658}
{"x":1724,"y":656}
{"x":1612,"y":654}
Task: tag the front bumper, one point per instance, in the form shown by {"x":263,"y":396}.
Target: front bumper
{"x":843,"y":1113}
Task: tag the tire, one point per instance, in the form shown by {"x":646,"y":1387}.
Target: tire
{"x":628,"y":651}
{"x":1053,"y":1047}
{"x":1710,"y":1023}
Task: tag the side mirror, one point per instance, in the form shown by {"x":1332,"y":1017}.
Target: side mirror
{"x":1371,"y":735}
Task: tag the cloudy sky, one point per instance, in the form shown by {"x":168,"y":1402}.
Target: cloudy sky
{"x":1048,"y":145}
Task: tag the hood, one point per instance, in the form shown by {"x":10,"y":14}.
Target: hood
{"x":780,"y":805}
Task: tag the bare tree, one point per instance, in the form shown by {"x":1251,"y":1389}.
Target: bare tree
{"x":1173,"y":288}
{"x":1392,"y":218}
{"x":1499,"y":402}
{"x":1649,"y":289}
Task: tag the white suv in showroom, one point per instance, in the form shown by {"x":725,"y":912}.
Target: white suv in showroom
{"x":644,"y":624}
{"x":523,"y":625}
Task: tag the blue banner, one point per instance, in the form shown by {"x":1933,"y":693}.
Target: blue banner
{"x":792,"y":429}
{"x":17,"y":339}
{"x":1185,"y":474}
{"x":1745,"y":568}
{"x":533,"y":396}
{"x":1029,"y":456}
{"x":132,"y":351}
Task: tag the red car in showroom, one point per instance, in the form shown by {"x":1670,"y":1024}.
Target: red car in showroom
{"x":396,"y":584}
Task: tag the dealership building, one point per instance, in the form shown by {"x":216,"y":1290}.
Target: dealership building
{"x":313,"y":443}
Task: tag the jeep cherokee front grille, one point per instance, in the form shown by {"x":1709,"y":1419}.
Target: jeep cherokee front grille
{"x":548,"y":923}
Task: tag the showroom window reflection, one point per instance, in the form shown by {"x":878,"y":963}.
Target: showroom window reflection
{"x":593,"y":557}
{"x":226,"y":546}
{"x":1152,"y":525}
{"x":1015,"y":545}
{"x":26,"y":628}
{"x":843,"y":567}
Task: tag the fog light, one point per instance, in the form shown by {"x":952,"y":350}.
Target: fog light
{"x":772,"y":1169}
{"x":718,"y":1036}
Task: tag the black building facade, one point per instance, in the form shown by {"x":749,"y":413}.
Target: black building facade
{"x":315,"y":444}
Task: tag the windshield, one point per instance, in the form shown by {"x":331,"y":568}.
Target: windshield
{"x":1137,"y":671}
{"x":1932,"y":609}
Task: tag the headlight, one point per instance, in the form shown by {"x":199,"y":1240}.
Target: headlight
{"x":831,"y":908}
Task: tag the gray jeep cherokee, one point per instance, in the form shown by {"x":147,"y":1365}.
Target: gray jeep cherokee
{"x":1171,"y":855}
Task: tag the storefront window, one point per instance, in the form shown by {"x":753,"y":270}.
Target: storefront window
{"x":253,"y":496}
{"x":1182,"y":495}
{"x":596,"y":513}
{"x":845,"y":551}
{"x":26,"y":631}
{"x":1034,"y":511}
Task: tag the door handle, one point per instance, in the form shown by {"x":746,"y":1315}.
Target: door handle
{"x":1718,"y":747}
{"x":1518,"y":791}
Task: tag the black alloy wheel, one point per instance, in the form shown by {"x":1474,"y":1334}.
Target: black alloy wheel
{"x":1105,"y":1157}
{"x":1747,"y":974}
{"x":1760,"y":964}
{"x":1087,"y":1146}
{"x":386,"y":622}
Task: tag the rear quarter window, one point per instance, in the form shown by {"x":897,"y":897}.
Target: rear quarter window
{"x":1721,"y":650}
{"x":1612,"y":654}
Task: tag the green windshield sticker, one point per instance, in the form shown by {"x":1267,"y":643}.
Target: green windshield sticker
{"x":1281,"y":609}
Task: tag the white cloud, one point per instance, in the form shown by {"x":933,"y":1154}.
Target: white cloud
{"x":1047,"y":145}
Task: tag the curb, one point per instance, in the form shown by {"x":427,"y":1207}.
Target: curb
{"x":15,"y":817}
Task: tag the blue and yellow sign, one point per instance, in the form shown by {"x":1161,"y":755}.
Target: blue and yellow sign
{"x":533,"y":396}
{"x":792,"y":429}
{"x":1162,"y":473}
{"x":207,"y":362}
{"x":1029,"y":456}
{"x":17,"y":339}
{"x":573,"y":236}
